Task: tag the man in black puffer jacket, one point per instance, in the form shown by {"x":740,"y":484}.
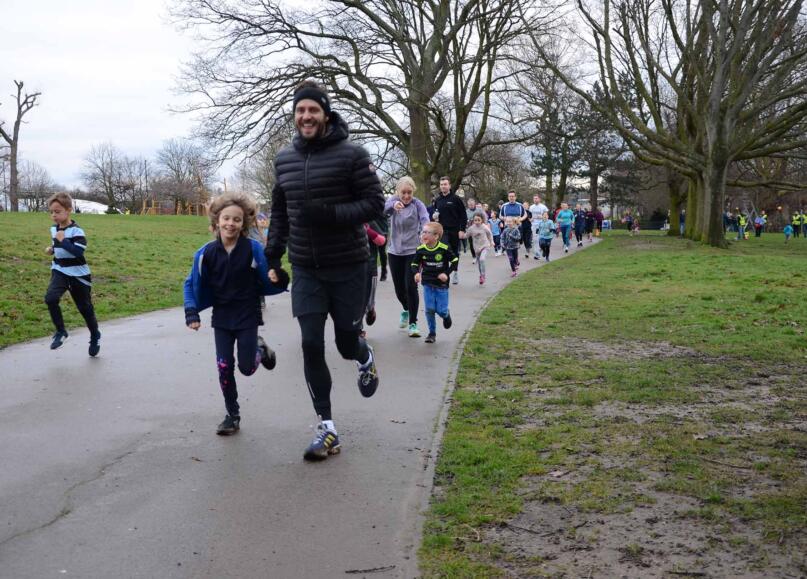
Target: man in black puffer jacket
{"x":450,"y":212}
{"x":326,"y":189}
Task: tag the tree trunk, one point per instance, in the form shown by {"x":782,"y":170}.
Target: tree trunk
{"x":693,"y":194}
{"x":594,"y":186}
{"x":418,"y":155}
{"x":714,"y":195}
{"x":674,"y":186}
{"x":14,"y":185}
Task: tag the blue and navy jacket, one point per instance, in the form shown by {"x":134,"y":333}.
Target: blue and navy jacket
{"x":197,"y":292}
{"x":68,"y":254}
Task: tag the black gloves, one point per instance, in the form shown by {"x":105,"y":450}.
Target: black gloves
{"x":282,"y":274}
{"x":191,"y":316}
{"x":316,"y":213}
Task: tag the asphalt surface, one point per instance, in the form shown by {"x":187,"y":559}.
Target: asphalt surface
{"x":111,"y":466}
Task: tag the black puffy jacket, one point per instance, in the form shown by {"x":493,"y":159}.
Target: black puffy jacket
{"x":332,"y":171}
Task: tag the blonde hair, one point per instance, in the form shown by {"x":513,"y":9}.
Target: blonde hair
{"x":62,"y":199}
{"x":435,"y":227}
{"x":405,"y":180}
{"x":246,"y":203}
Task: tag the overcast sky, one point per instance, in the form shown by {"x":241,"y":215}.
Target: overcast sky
{"x":106,"y":71}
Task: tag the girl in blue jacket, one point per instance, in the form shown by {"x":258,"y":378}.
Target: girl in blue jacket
{"x":230,"y":275}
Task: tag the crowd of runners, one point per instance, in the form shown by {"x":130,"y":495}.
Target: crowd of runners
{"x":332,"y":221}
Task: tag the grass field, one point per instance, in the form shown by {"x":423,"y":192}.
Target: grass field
{"x":638,"y":409}
{"x":138,"y":265}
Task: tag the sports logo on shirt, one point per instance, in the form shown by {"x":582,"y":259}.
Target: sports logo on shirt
{"x":438,"y":257}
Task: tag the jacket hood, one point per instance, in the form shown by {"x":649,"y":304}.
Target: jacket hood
{"x":335,"y":131}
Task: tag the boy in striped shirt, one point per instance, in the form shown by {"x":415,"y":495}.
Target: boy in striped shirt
{"x":69,"y":272}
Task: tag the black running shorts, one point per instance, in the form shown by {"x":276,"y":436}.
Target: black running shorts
{"x":338,"y":291}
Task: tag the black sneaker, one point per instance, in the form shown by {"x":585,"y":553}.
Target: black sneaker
{"x":59,"y":338}
{"x":268,"y":357}
{"x":230,"y":425}
{"x":368,"y":377}
{"x":325,"y":443}
{"x":430,"y":339}
{"x":447,"y":321}
{"x":383,"y":275}
{"x":370,"y":317}
{"x":95,"y":344}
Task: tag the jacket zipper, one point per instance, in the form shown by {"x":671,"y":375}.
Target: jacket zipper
{"x":308,"y":198}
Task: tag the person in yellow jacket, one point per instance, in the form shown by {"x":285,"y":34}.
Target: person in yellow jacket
{"x":795,"y":221}
{"x":804,"y":223}
{"x":742,"y":223}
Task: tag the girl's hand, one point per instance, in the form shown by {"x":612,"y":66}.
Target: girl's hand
{"x":194,"y":326}
{"x":398,"y":206}
{"x":462,"y":235}
{"x":273,"y":276}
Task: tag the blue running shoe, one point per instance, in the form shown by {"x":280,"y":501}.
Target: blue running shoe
{"x":59,"y":338}
{"x":95,"y":344}
{"x":325,"y":443}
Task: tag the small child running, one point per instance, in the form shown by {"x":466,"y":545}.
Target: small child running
{"x":788,"y":231}
{"x":69,"y":272}
{"x":482,"y":241}
{"x":511,"y":238}
{"x":230,"y":274}
{"x":496,"y":232}
{"x":434,"y":261}
{"x":546,"y":232}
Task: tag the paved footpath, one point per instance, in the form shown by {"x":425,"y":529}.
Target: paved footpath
{"x":111,"y":467}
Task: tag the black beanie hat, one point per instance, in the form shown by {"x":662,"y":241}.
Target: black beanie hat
{"x":315,"y":94}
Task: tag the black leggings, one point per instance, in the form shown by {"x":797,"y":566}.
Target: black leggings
{"x":248,"y":359}
{"x":350,"y":345}
{"x":81,"y":294}
{"x":578,"y":233}
{"x":545,"y":245}
{"x":382,"y":257}
{"x":403,"y":279}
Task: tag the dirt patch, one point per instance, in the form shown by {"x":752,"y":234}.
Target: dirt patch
{"x":592,"y":349}
{"x":654,"y":540}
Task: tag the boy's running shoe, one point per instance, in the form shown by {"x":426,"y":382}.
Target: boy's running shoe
{"x":536,"y":258}
{"x":456,"y":278}
{"x":414,"y":332}
{"x":565,"y":249}
{"x":230,"y":425}
{"x":369,"y":317}
{"x":431,"y":338}
{"x":95,"y":344}
{"x":59,"y":338}
{"x":368,"y":376}
{"x":326,"y":442}
{"x":268,"y":357}
{"x":404,"y":319}
{"x":447,"y":321}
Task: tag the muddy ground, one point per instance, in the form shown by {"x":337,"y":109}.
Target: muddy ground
{"x":657,"y":532}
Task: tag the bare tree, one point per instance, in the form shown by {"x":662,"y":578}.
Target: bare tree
{"x":385,"y":61}
{"x":104,"y":174}
{"x":25,"y":102}
{"x":738,"y":70}
{"x":35,"y":186}
{"x":186,"y":172}
{"x":496,"y":170}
